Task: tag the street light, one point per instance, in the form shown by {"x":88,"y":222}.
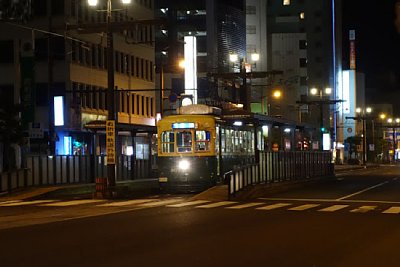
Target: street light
{"x":362,"y":115}
{"x":245,"y":67}
{"x":110,"y":82}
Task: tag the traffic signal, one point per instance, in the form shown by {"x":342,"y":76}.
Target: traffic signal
{"x":322,"y":129}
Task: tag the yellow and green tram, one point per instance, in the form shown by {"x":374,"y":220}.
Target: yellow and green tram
{"x":196,"y":150}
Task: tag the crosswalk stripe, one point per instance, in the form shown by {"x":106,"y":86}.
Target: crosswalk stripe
{"x":9,"y":201}
{"x":392,"y":210}
{"x":159,"y":203}
{"x":304,"y":207}
{"x":126,"y":203}
{"x":334,"y":208}
{"x":243,"y":206}
{"x":363,"y":209}
{"x":71,"y":203}
{"x":274,"y":206}
{"x":26,"y":203}
{"x":189,"y":203}
{"x":217,"y":204}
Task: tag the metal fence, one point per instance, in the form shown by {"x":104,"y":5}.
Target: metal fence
{"x":280,"y":166}
{"x":53,"y":170}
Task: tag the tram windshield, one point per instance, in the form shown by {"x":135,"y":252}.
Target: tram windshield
{"x":202,"y":142}
{"x":184,"y":141}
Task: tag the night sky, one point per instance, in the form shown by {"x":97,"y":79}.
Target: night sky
{"x":377,"y":48}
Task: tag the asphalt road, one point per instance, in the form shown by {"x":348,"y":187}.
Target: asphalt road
{"x":351,"y":221}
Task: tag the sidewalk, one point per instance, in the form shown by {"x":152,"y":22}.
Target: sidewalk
{"x":123,"y":189}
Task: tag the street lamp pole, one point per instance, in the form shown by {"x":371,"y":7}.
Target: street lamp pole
{"x":111,"y":89}
{"x":113,"y":133}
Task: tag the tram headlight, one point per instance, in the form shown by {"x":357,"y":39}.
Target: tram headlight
{"x":183,"y":165}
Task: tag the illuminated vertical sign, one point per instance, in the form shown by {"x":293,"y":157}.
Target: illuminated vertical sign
{"x":352,"y":38}
{"x":345,"y":96}
{"x":110,"y":141}
{"x":67,"y":145}
{"x":58,"y":111}
{"x":326,"y":141}
{"x":191,"y":67}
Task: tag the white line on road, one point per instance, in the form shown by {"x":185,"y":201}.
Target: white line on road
{"x":25,"y":203}
{"x":362,"y":191}
{"x":246,"y":205}
{"x":304,"y":207}
{"x":159,"y":203}
{"x":392,"y":210}
{"x":274,"y":206}
{"x":71,"y":203}
{"x":334,"y":208}
{"x":189,"y":203}
{"x":126,"y":203}
{"x":332,"y":200}
{"x":364,"y":209}
{"x":215,"y":205}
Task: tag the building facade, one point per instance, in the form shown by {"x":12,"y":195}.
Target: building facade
{"x":58,"y":72}
{"x":219,"y":28}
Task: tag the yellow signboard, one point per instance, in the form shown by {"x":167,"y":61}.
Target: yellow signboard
{"x":110,"y":141}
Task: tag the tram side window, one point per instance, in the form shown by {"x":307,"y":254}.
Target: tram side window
{"x":184,"y":141}
{"x":202,"y":142}
{"x":167,"y":142}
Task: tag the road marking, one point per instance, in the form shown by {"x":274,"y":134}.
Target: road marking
{"x":364,"y":209}
{"x":334,"y":208}
{"x":9,"y":201}
{"x":159,"y":203}
{"x":72,"y":203}
{"x":217,"y":204}
{"x":362,"y":191}
{"x":243,"y":206}
{"x":26,"y":203}
{"x":274,"y":206}
{"x":126,"y":203}
{"x":392,"y":210}
{"x":304,"y":207}
{"x":189,"y":203}
{"x":330,"y":200}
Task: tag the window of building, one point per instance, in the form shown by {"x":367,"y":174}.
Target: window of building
{"x":250,"y":10}
{"x":138,"y":104}
{"x":302,"y":15}
{"x":251,"y":29}
{"x":286,"y":2}
{"x":132,"y":65}
{"x":7,"y":51}
{"x":39,"y":8}
{"x":303,"y":62}
{"x":302,"y":44}
{"x":303,"y":80}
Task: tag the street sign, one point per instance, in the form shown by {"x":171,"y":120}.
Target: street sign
{"x":110,"y":141}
